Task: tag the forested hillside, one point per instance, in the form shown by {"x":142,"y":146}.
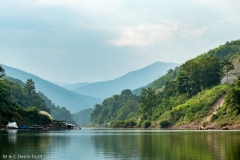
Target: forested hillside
{"x":186,"y":94}
{"x":60,"y":96}
{"x":21,"y":103}
{"x":117,"y":107}
{"x":225,"y":51}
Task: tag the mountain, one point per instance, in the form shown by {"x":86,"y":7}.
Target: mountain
{"x":60,"y":96}
{"x":202,"y":93}
{"x":61,"y":84}
{"x":75,"y":86}
{"x":130,"y":80}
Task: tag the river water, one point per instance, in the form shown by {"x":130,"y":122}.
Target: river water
{"x":99,"y":144}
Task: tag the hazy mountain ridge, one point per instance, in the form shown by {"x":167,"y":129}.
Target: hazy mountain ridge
{"x":71,"y":87}
{"x":60,"y":96}
{"x":186,"y":97}
{"x":61,"y":84}
{"x":131,"y":80}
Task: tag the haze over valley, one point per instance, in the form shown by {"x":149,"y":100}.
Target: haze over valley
{"x":94,"y":92}
{"x":87,"y":54}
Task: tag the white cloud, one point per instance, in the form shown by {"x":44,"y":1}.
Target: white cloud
{"x":144,"y":34}
{"x":156,"y":30}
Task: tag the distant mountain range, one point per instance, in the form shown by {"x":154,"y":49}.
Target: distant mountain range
{"x":79,"y":96}
{"x":60,"y":96}
{"x":131,"y":80}
{"x":72,"y":87}
{"x":61,"y":84}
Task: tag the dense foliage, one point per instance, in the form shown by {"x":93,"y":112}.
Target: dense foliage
{"x":183,"y":95}
{"x":117,"y":107}
{"x":197,"y":107}
{"x":230,"y":112}
{"x":226,"y":50}
{"x":233,"y":98}
{"x":25,"y":96}
{"x":21,"y":104}
{"x":199,"y":74}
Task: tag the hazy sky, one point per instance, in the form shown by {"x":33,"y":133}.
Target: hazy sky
{"x":94,"y":40}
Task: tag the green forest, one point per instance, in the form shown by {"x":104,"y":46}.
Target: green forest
{"x":188,"y":94}
{"x":182,"y":96}
{"x":118,"y":107}
{"x":20,"y":103}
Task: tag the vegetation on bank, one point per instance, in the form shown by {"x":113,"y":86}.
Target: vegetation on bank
{"x":19,"y":102}
{"x":195,"y":108}
{"x":184,"y":95}
{"x":229,"y":113}
{"x":117,"y":107}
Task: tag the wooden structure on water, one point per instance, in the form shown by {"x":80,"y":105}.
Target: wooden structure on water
{"x":58,"y":125}
{"x":55,"y":125}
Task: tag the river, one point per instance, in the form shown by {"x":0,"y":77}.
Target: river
{"x":104,"y":144}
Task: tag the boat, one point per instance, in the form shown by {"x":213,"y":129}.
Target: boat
{"x":23,"y":127}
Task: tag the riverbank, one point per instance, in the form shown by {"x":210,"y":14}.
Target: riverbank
{"x":212,"y":126}
{"x":192,"y":126}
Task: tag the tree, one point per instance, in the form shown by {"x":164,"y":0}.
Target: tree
{"x":170,"y":71}
{"x":191,"y":69}
{"x":97,"y":110}
{"x":182,"y":83}
{"x":148,"y":100}
{"x":170,"y":88}
{"x":4,"y":90}
{"x":198,"y":74}
{"x":127,"y":92}
{"x":211,"y":71}
{"x":233,"y":97}
{"x":29,"y":88}
{"x":2,"y":72}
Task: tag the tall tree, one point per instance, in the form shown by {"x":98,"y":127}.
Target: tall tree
{"x":2,"y":72}
{"x":148,"y":100}
{"x":182,"y":82}
{"x":29,"y":88}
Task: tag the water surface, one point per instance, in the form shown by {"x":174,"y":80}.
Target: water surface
{"x":119,"y":144}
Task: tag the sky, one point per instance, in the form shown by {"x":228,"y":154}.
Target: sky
{"x":75,"y":41}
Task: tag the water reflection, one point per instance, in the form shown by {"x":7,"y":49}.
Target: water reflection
{"x":17,"y":142}
{"x":122,"y":144}
{"x":12,"y":136}
{"x":169,"y":145}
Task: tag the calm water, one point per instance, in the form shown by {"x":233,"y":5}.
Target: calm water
{"x":104,"y":144}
